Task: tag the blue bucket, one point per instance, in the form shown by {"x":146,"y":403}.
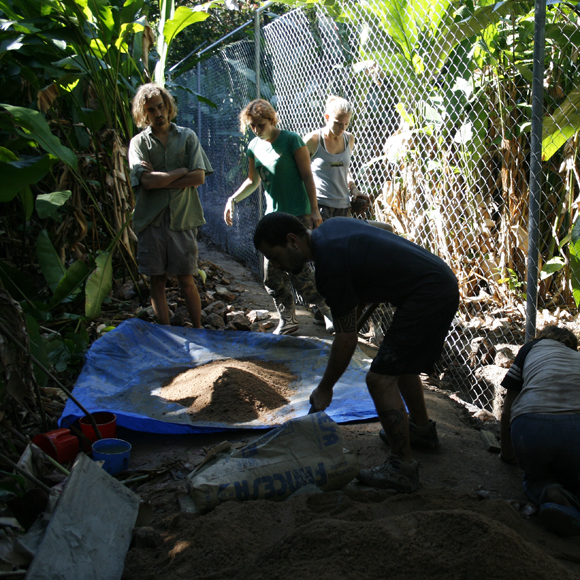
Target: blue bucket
{"x":114,"y":452}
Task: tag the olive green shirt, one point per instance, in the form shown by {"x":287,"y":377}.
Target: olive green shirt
{"x":183,"y":149}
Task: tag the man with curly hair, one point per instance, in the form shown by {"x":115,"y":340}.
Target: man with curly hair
{"x":540,"y":425}
{"x":167,"y":164}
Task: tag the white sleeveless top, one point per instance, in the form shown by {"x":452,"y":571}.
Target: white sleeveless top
{"x":330,"y":174}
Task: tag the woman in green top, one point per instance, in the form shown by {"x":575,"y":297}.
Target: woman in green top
{"x":280,"y":160}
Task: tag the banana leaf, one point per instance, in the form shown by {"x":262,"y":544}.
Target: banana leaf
{"x":33,"y":125}
{"x":50,"y":263}
{"x":98,"y":285}
{"x":16,"y":175}
{"x":72,"y":280}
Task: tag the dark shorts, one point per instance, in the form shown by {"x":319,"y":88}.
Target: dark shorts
{"x":164,"y":251}
{"x":415,"y":339}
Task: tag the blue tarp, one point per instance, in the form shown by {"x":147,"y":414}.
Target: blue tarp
{"x":126,"y":367}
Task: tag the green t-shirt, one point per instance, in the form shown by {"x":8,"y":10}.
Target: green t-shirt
{"x":277,"y":168}
{"x":182,"y":150}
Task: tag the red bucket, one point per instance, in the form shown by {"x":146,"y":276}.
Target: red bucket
{"x":59,"y":444}
{"x":106,"y":422}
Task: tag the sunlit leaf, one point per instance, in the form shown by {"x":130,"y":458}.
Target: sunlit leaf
{"x":48,"y":204}
{"x":98,"y":285}
{"x":183,"y":18}
{"x":551,"y":266}
{"x":74,"y":277}
{"x":36,"y":127}
{"x":562,"y":125}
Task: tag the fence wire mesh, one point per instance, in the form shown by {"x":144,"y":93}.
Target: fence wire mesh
{"x":442,"y":112}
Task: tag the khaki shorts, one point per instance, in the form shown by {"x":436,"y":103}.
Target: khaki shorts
{"x":164,"y":251}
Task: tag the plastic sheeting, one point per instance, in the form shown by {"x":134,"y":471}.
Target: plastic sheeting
{"x":126,"y":367}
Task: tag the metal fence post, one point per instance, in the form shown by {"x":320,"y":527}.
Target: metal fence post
{"x":198,"y":102}
{"x":535,"y":168}
{"x":257,"y":71}
{"x":257,"y":51}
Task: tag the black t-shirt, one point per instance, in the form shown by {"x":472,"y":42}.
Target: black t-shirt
{"x":359,"y":263}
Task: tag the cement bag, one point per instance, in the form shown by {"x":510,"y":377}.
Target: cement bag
{"x":307,"y":450}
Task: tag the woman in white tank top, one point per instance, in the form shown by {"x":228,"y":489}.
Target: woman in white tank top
{"x":330,"y":151}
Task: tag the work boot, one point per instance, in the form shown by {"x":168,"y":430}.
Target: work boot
{"x":562,"y":520}
{"x":288,"y":322}
{"x":556,"y":493}
{"x":421,"y":437}
{"x":392,"y":474}
{"x":324,"y":316}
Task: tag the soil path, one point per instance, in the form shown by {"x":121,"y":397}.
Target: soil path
{"x":469,"y":521}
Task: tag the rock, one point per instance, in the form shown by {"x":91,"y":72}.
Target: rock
{"x":236,"y":288}
{"x":504,"y":358}
{"x":125,"y":292}
{"x":206,"y":299}
{"x":180,"y":316}
{"x":225,"y":294}
{"x":258,"y":327}
{"x":484,"y":415}
{"x":255,"y":315}
{"x":490,"y":441}
{"x":238,"y":320}
{"x":489,"y":383}
{"x":217,"y":307}
{"x":212,"y":319}
{"x":482,"y":352}
{"x":145,"y":537}
{"x":145,"y":313}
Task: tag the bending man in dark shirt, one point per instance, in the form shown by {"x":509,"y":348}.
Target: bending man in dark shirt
{"x":357,"y":263}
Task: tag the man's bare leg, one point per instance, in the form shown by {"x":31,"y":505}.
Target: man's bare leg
{"x":384,"y":390}
{"x":411,"y":388}
{"x":158,"y":298}
{"x":190,"y":294}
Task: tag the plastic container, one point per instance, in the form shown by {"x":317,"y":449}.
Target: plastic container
{"x":106,"y":422}
{"x":59,"y":444}
{"x":114,"y":452}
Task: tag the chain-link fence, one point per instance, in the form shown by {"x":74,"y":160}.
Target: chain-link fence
{"x":442,"y":99}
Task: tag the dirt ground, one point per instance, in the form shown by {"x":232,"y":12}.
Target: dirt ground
{"x":471,"y":519}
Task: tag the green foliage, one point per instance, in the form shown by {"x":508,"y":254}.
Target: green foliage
{"x":513,"y":283}
{"x":68,"y":72}
{"x":575,"y":262}
{"x":99,"y":285}
{"x":48,"y":204}
{"x":50,"y":262}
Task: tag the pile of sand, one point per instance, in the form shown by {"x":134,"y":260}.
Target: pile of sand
{"x":432,"y":534}
{"x":232,"y":390}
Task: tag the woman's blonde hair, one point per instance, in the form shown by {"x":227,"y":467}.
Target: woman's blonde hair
{"x":337,"y":106}
{"x":257,"y":108}
{"x":144,"y":94}
{"x":563,"y":335}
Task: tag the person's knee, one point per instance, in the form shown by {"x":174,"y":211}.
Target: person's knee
{"x":378,"y":384}
{"x":158,"y":282}
{"x":187,"y":283}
